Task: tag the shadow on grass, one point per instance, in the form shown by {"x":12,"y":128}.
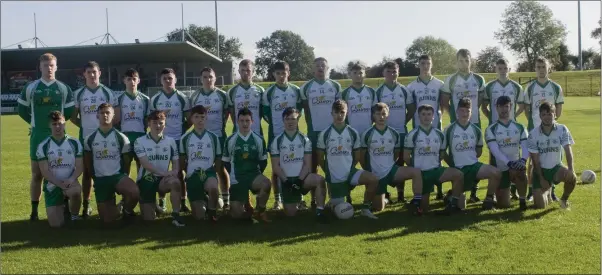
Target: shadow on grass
{"x":23,"y":234}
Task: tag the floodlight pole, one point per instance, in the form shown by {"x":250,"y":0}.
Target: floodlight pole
{"x":579,"y":34}
{"x":107,"y":17}
{"x":216,"y":30}
{"x":183,"y":38}
{"x":35,"y":30}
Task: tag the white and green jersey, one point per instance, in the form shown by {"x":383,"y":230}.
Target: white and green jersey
{"x":61,"y":155}
{"x":508,"y":138}
{"x":275,"y":100}
{"x":550,"y":146}
{"x":107,"y":150}
{"x":424,"y":93}
{"x":359,"y":103}
{"x":200,"y":151}
{"x":87,"y":101}
{"x":241,"y":96}
{"x":159,"y":152}
{"x":291,"y":151}
{"x":397,"y":98}
{"x":537,"y":93}
{"x":320,"y":96}
{"x":134,"y":110}
{"x":216,"y":103}
{"x":42,"y":97}
{"x":381,"y":147}
{"x":462,"y":143}
{"x":338,"y":146}
{"x":496,"y":89}
{"x":244,"y":154}
{"x":174,"y":104}
{"x":458,"y":86}
{"x":426,"y":147}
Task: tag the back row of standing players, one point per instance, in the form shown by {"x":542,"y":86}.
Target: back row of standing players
{"x":316,"y":98}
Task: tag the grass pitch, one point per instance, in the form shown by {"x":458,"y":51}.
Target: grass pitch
{"x":503,"y":241}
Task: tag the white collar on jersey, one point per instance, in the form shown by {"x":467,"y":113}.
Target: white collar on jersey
{"x":48,"y":83}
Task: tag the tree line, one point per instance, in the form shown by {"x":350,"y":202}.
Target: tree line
{"x":527,"y":29}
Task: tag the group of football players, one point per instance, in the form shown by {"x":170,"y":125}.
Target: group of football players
{"x":180,"y":146}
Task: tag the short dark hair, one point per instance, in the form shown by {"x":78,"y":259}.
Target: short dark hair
{"x":91,"y":65}
{"x":246,"y":62}
{"x":208,"y":69}
{"x":104,"y":105}
{"x":357,"y":66}
{"x":55,"y":116}
{"x":131,"y":72}
{"x":321,"y":59}
{"x":424,"y":57}
{"x":465,"y":102}
{"x":157,"y":115}
{"x":339,"y":105}
{"x":503,"y":100}
{"x":463,"y":53}
{"x":289,"y":111}
{"x":547,"y":106}
{"x":281,"y":66}
{"x":244,"y":112}
{"x":426,"y":107}
{"x":502,"y":61}
{"x":390,"y":65}
{"x":198,"y":109}
{"x":379,"y":107}
{"x":168,"y":71}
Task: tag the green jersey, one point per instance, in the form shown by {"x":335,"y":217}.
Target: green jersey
{"x":244,"y":154}
{"x":39,"y":98}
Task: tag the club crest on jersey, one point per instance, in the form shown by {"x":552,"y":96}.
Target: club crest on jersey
{"x":291,"y":147}
{"x":464,"y":136}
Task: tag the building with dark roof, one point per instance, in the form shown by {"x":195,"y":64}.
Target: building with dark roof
{"x":20,"y":66}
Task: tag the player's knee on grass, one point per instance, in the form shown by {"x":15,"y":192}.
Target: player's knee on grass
{"x":236,"y":210}
{"x":503,"y":197}
{"x":290,"y":210}
{"x":108,"y":211}
{"x":198,"y":209}
{"x":379,"y":203}
{"x":462,"y":201}
{"x":128,"y":188}
{"x":369,"y":180}
{"x":56,"y":216}
{"x":539,"y":198}
{"x":148,"y":211}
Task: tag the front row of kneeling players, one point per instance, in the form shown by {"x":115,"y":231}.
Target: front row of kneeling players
{"x":340,"y":147}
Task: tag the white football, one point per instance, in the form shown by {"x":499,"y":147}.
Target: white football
{"x":220,"y":203}
{"x":343,"y":210}
{"x":588,"y":176}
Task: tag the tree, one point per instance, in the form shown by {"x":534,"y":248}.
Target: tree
{"x":590,"y":59}
{"x":442,"y":53}
{"x":485,"y":61}
{"x":338,"y":74}
{"x":528,"y":29}
{"x":597,"y":33}
{"x":563,"y":61}
{"x":229,"y":48}
{"x":284,"y":46}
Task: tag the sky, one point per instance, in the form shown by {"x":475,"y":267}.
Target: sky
{"x":340,"y":31}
